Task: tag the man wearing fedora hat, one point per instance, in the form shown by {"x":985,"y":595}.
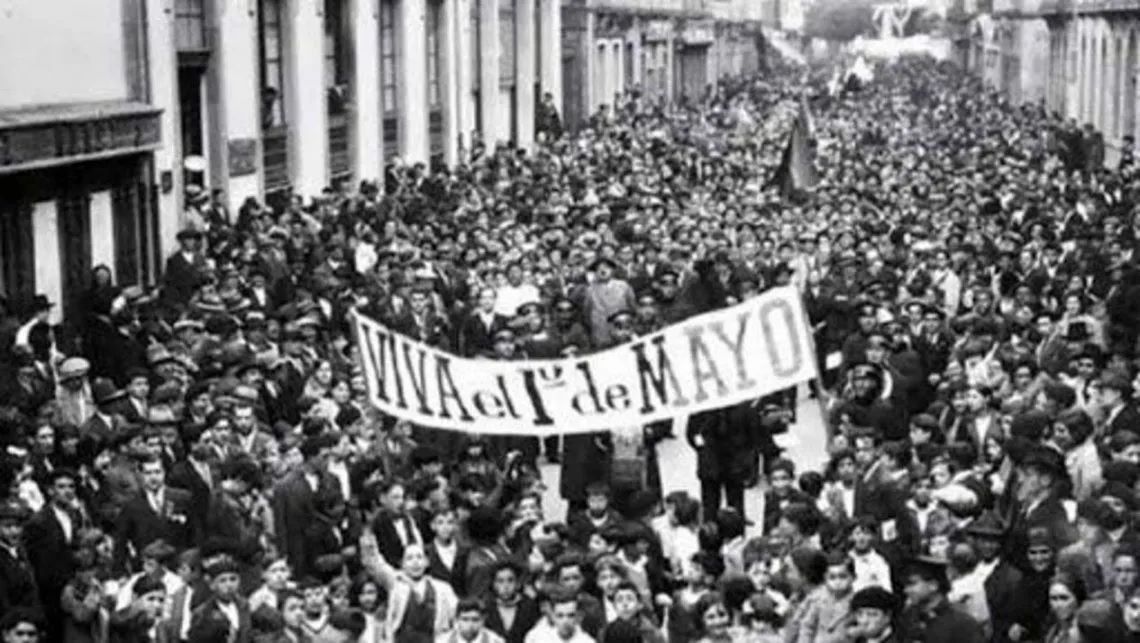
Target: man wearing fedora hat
{"x":1007,"y":604}
{"x":184,"y":269}
{"x":1042,"y":476}
{"x":928,"y":616}
{"x":17,"y":577}
{"x":603,"y":297}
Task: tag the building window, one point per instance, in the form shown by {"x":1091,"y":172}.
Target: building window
{"x":336,"y":52}
{"x":434,"y":39}
{"x":190,"y":25}
{"x":272,"y":53}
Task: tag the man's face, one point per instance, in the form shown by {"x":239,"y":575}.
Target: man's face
{"x":571,"y":578}
{"x":45,"y":439}
{"x":506,"y":584}
{"x":865,"y":451}
{"x":627,"y":604}
{"x":293,"y":612}
{"x":138,"y":388}
{"x":316,"y":598}
{"x":605,"y":272}
{"x":243,"y":419}
{"x":419,"y":302}
{"x":415,"y":562}
{"x":11,"y":531}
{"x":565,"y":617}
{"x":1124,"y":573}
{"x":871,"y":623}
{"x":469,"y":623}
{"x":443,"y":526}
{"x":1132,"y":614}
{"x":22,"y":632}
{"x":153,"y":475}
{"x":919,"y":590}
{"x":63,"y":491}
{"x":487,"y":300}
{"x":225,"y":585}
{"x":987,"y":548}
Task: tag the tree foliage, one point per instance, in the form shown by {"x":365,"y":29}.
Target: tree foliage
{"x":840,"y":19}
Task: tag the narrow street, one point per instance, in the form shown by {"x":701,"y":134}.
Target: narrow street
{"x":805,"y":444}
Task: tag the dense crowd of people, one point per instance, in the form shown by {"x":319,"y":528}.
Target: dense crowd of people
{"x":199,"y":462}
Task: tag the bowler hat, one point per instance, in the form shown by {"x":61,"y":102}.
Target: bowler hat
{"x":1046,"y":460}
{"x":986,"y":525}
{"x":103,"y":391}
{"x":874,"y":597}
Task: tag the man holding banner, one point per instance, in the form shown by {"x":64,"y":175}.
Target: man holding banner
{"x":710,"y":361}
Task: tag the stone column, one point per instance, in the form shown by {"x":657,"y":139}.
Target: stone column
{"x":305,"y":93}
{"x":550,"y":37}
{"x":235,"y":63}
{"x":367,"y":141}
{"x":590,"y":86}
{"x":412,"y":101}
{"x":453,"y":60}
{"x":524,"y":72}
{"x":494,"y":124}
{"x":163,"y":81}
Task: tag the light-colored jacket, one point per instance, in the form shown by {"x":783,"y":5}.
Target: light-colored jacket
{"x":820,"y":618}
{"x":399,"y":588}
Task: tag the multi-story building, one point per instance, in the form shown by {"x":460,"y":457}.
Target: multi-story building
{"x":1079,"y":57}
{"x":1093,"y":65}
{"x":109,"y":111}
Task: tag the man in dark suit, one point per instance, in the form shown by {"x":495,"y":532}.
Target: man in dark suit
{"x":157,"y":511}
{"x":1004,"y":583}
{"x":294,"y":498}
{"x":1121,"y":413}
{"x":1042,"y":476}
{"x":394,"y":527}
{"x":446,"y":556}
{"x":480,"y":325}
{"x":224,"y":603}
{"x":17,"y":577}
{"x":184,"y":269}
{"x":49,"y":535}
{"x":929,"y":616}
{"x":196,"y":476}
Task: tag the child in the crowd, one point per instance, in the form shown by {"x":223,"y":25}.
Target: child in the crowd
{"x":759,"y":565}
{"x":826,"y":619}
{"x":276,"y":577}
{"x":870,"y":567}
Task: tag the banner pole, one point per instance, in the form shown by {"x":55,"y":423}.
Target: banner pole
{"x":816,"y":383}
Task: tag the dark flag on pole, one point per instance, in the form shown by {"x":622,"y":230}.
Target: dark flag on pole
{"x":797,"y":166}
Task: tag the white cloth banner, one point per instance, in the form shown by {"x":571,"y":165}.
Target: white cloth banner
{"x":713,"y":360}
